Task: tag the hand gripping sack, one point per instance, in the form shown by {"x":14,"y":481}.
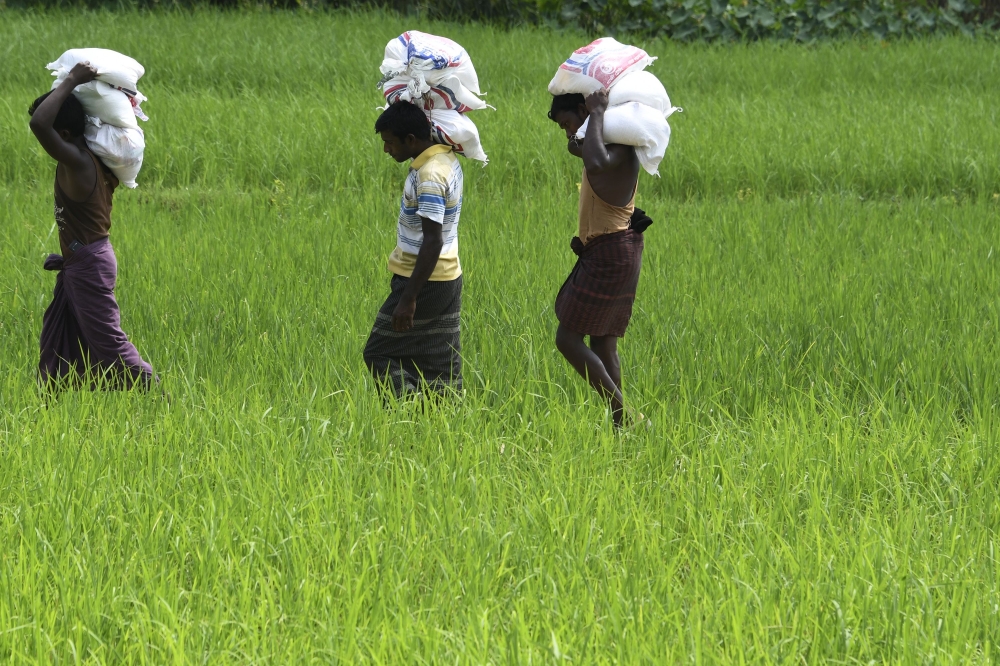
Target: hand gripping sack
{"x":430,"y":71}
{"x":598,"y":65}
{"x":113,"y":97}
{"x":121,"y":149}
{"x":454,"y":129}
{"x":638,"y":125}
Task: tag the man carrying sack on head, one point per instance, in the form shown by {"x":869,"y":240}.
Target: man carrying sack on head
{"x":597,"y":297}
{"x":415,"y":342}
{"x":81,"y":331}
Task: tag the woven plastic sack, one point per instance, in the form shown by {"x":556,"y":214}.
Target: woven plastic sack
{"x":430,"y":71}
{"x":121,"y":149}
{"x":598,"y":65}
{"x":454,"y":129}
{"x":638,"y":125}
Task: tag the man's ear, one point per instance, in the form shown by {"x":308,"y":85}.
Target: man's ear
{"x":582,"y":110}
{"x":66,"y":136}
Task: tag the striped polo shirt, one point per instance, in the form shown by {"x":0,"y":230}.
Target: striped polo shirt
{"x":433,"y":190}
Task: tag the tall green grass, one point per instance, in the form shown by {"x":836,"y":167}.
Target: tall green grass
{"x":815,"y":342}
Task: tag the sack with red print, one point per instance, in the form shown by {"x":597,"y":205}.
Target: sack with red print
{"x":597,"y":65}
{"x":430,"y":71}
{"x":456,"y":130}
{"x":638,"y":104}
{"x":436,"y":74}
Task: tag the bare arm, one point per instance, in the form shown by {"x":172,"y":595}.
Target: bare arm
{"x":575,"y":148}
{"x":430,"y":250}
{"x":598,"y":157}
{"x":65,"y":152}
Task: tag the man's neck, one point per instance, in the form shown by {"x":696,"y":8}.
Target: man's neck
{"x":421,"y":147}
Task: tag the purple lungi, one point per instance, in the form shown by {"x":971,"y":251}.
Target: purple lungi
{"x":81,"y":330}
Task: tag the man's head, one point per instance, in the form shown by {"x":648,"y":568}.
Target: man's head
{"x":405,"y":131}
{"x":70,"y":121}
{"x":569,"y":111}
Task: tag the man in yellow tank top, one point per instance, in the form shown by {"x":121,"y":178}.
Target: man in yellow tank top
{"x":597,"y":297}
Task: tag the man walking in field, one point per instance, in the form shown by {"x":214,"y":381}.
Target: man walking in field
{"x":81,"y":334}
{"x":597,"y":297}
{"x":415,"y":341}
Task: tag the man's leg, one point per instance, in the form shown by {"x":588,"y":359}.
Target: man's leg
{"x":591,"y":368}
{"x":387,"y":371}
{"x":60,"y":345}
{"x":383,"y":349}
{"x":92,"y":300}
{"x":606,"y":348}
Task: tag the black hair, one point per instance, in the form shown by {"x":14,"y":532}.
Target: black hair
{"x":70,"y":117}
{"x":569,"y":102}
{"x":404,"y":119}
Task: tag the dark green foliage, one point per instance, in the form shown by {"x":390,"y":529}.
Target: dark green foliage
{"x":683,"y":20}
{"x":800,"y":20}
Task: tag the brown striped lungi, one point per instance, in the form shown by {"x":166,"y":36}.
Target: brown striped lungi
{"x":597,"y":297}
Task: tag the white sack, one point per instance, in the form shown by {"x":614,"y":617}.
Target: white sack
{"x":448,"y":94}
{"x":120,"y":149}
{"x":430,"y":71}
{"x":113,"y":97}
{"x":456,"y":130}
{"x":638,"y":125}
{"x":104,"y":102}
{"x":598,"y":65}
{"x":641,"y":87}
{"x":112,"y":67}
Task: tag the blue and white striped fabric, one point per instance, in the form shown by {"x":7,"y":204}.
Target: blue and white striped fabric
{"x":433,"y":190}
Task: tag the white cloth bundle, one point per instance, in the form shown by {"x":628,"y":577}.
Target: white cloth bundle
{"x":112,"y":104}
{"x":437,"y":75}
{"x":430,"y":71}
{"x":120,"y":148}
{"x":456,"y":130}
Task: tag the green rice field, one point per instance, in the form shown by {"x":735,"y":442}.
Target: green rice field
{"x":815,"y":341}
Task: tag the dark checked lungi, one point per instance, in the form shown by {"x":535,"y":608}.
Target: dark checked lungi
{"x":429,"y":354}
{"x":597,"y":297}
{"x":81,"y":330}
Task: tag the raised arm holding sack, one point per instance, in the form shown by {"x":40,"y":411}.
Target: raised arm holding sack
{"x":112,"y":103}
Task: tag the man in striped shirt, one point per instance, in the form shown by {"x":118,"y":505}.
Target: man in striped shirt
{"x":415,"y":341}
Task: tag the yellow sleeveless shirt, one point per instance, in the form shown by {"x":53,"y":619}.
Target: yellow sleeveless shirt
{"x":597,"y":217}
